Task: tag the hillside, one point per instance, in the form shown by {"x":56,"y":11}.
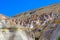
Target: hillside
{"x":52,"y":8}
{"x":42,"y":20}
{"x":39,"y":24}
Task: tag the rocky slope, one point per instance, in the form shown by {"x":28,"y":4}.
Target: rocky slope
{"x":37,"y":24}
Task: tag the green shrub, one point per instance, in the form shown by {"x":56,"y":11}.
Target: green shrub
{"x":58,"y":37}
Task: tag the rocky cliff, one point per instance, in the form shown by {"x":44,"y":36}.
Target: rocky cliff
{"x":38,"y":24}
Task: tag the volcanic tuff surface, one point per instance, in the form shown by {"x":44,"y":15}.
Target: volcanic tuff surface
{"x":40,"y":23}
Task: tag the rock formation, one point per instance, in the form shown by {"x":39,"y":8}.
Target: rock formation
{"x":39,"y":24}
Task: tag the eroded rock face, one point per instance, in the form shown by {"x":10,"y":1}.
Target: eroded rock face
{"x":15,"y":35}
{"x":3,"y":21}
{"x":40,"y":23}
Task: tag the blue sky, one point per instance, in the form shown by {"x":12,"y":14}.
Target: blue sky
{"x":13,"y":7}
